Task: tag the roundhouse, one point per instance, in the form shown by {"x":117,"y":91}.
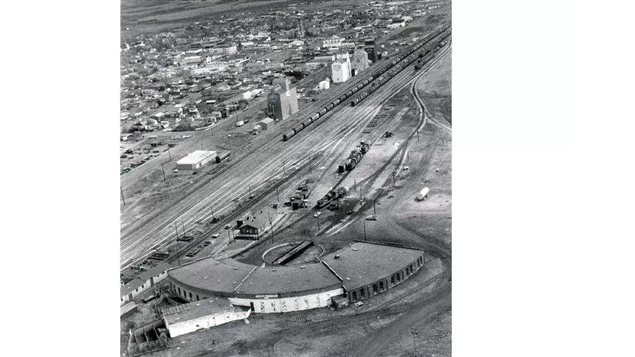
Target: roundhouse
{"x":355,"y":272}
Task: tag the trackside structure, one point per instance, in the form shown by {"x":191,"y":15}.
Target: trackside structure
{"x":356,"y":272}
{"x":196,"y":160}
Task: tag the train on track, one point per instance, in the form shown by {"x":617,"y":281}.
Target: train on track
{"x":370,"y":84}
{"x":331,"y":196}
{"x":354,"y":158}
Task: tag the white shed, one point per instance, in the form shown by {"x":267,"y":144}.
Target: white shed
{"x":195,"y":160}
{"x":265,"y":123}
{"x":197,"y":315}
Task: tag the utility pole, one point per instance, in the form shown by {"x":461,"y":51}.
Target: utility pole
{"x":169,"y":153}
{"x":163,"y":169}
{"x":183,"y":227}
{"x":374,"y":212}
{"x":414,"y":342}
{"x":122,"y":198}
{"x":365,"y":237}
{"x":318,"y":222}
{"x":272,"y":235}
{"x":212,"y":209}
{"x":178,"y":250}
{"x":277,"y":195}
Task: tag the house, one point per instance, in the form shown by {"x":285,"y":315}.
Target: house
{"x":254,"y":226}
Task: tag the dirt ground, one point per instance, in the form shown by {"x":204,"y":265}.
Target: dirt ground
{"x":413,"y":319}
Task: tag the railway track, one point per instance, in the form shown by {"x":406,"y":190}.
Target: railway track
{"x":267,"y":164}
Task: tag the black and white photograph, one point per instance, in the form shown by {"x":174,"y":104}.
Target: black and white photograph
{"x":286,"y":178}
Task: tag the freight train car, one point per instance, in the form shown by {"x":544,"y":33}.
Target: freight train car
{"x":385,"y":73}
{"x":288,"y":135}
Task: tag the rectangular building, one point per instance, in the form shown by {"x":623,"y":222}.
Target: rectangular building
{"x":196,"y":160}
{"x":265,"y":123}
{"x":197,"y":315}
{"x":341,"y":71}
{"x":282,"y":101}
{"x":360,"y":61}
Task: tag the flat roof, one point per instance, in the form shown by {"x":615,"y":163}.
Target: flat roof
{"x":212,"y":275}
{"x":289,"y":280}
{"x":196,"y":157}
{"x":360,"y":264}
{"x":196,"y":309}
{"x":142,"y":278}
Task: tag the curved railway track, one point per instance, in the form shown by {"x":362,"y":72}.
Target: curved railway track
{"x":234,"y":181}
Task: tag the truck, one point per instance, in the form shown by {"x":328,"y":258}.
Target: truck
{"x":422,"y":194}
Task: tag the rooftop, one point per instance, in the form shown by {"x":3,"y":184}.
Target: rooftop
{"x":213,"y":275}
{"x":360,"y":264}
{"x":196,"y":309}
{"x":142,"y":278}
{"x":289,"y":279}
{"x":196,"y":157}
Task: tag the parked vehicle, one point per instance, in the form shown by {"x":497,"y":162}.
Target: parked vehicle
{"x":423,"y":194}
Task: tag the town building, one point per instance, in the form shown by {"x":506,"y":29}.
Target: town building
{"x":196,"y":160}
{"x":324,"y":59}
{"x":191,"y":60}
{"x":332,"y":42}
{"x":282,"y":101}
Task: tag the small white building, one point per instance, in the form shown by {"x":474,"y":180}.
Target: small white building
{"x":395,"y":25}
{"x":196,"y":160}
{"x":197,"y":315}
{"x":332,"y":42}
{"x":191,"y":60}
{"x":325,"y":84}
{"x":265,"y":123}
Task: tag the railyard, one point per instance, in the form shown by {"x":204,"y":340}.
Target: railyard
{"x":406,"y":125}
